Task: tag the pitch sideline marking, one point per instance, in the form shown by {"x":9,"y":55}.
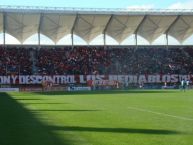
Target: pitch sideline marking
{"x":159,"y":113}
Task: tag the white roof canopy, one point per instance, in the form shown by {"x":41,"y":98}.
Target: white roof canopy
{"x":90,"y":26}
{"x":182,"y":28}
{"x":121,"y":27}
{"x":21,"y":25}
{"x":56,"y":26}
{"x":154,"y":26}
{"x":57,"y":23}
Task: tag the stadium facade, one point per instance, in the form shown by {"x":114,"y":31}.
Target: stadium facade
{"x":104,"y":65}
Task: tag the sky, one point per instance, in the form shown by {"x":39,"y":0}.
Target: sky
{"x":130,"y":4}
{"x":157,"y":4}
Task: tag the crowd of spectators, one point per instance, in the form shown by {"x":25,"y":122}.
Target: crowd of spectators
{"x":80,"y":60}
{"x":96,"y":60}
{"x":152,"y":61}
{"x":15,"y":60}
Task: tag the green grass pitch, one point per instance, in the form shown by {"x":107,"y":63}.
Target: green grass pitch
{"x":134,"y":117}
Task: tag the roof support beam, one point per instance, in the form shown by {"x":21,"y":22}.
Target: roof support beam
{"x":167,"y":31}
{"x":172,"y":24}
{"x":72,"y":30}
{"x":136,"y":40}
{"x":4,"y":28}
{"x":105,"y":29}
{"x":167,"y":41}
{"x":39,"y":29}
{"x":137,"y":29}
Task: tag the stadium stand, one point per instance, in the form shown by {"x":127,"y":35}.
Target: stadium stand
{"x":74,"y":64}
{"x":95,"y":60}
{"x":15,"y":60}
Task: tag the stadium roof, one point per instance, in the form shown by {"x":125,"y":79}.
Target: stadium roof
{"x":55,"y":23}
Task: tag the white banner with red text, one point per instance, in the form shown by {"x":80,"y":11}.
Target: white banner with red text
{"x":97,"y":79}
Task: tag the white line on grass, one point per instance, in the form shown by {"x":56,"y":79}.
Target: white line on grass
{"x":159,"y":113}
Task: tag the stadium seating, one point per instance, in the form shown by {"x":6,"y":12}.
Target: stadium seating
{"x":15,"y":60}
{"x":95,"y":60}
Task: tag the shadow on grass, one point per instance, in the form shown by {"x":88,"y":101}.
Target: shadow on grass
{"x":50,"y":103}
{"x":117,"y":130}
{"x":105,"y":92}
{"x":49,"y":110}
{"x":30,"y":99}
{"x":18,"y":126}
